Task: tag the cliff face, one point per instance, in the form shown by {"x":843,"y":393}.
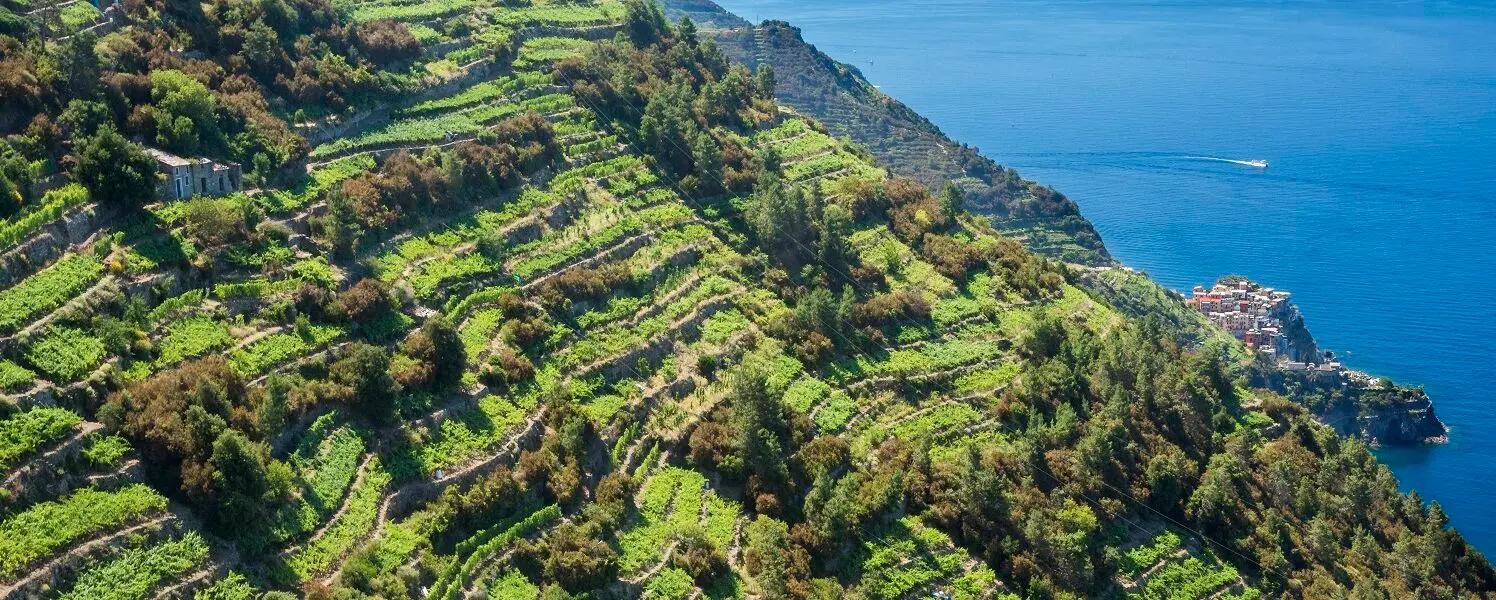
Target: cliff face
{"x":1398,"y":416}
{"x":1362,"y":406}
{"x":1359,"y":405}
{"x":1301,"y":344}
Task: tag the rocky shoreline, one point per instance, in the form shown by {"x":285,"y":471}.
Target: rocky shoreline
{"x":1385,"y":413}
{"x":1354,"y":403}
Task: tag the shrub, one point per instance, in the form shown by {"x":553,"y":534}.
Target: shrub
{"x":387,"y":41}
{"x":365,"y":369}
{"x":175,"y":416}
{"x":509,"y":368}
{"x":367,"y":302}
{"x":215,"y":221}
{"x":115,"y":170}
{"x":888,"y":308}
{"x":439,"y":352}
{"x":951,"y":257}
{"x":587,"y":283}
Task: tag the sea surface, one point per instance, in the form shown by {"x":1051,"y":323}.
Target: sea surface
{"x":1378,"y":119}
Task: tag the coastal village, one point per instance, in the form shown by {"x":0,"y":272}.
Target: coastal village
{"x":1260,"y":317}
{"x":1266,"y":320}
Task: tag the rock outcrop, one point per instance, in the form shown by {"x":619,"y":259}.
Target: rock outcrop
{"x":1398,"y":416}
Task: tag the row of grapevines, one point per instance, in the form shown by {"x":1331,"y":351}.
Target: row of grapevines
{"x":478,"y":94}
{"x":274,"y":349}
{"x":1134,"y":561}
{"x":906,"y":559}
{"x":1189,"y":578}
{"x":671,"y":500}
{"x":943,"y":418}
{"x":137,"y":571}
{"x":473,"y":431}
{"x":65,"y":353}
{"x":356,"y":521}
{"x":436,"y":128}
{"x":326,"y":464}
{"x":14,"y":377}
{"x":48,"y":526}
{"x":804,"y":145}
{"x":429,"y":9}
{"x":820,"y":165}
{"x":191,"y":337}
{"x":786,"y":130}
{"x":47,"y":290}
{"x":565,"y":15}
{"x":29,"y":431}
{"x":54,"y":204}
{"x":450,"y":584}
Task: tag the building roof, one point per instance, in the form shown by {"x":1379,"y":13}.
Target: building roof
{"x":167,"y":158}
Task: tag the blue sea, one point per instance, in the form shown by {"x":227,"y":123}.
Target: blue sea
{"x":1378,"y":119}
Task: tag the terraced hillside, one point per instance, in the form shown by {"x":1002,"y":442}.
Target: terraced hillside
{"x":909,"y":144}
{"x":547,"y":298}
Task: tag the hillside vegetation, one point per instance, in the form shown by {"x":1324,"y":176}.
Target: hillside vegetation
{"x":551,"y":299}
{"x":836,"y":93}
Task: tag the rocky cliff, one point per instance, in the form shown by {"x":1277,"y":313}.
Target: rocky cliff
{"x":1395,"y":415}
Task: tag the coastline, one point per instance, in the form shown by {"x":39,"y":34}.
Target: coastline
{"x":1355,"y":403}
{"x":1378,"y":274}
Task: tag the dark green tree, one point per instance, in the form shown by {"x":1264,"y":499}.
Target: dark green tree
{"x":644,"y":22}
{"x":240,"y":485}
{"x":577,"y":560}
{"x":365,"y":370}
{"x":777,"y":216}
{"x":766,"y":80}
{"x":437,"y":347}
{"x":15,"y":180}
{"x":668,"y":127}
{"x":84,"y":118}
{"x":707,"y":161}
{"x":761,"y":429}
{"x":951,"y":199}
{"x":834,"y":244}
{"x":115,"y":170}
{"x":767,"y":557}
{"x":78,"y":65}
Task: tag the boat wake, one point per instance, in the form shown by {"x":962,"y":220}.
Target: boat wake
{"x":1260,"y":164}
